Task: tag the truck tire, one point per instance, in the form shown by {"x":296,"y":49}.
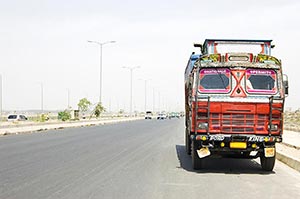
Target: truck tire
{"x":188,"y":146}
{"x":267,"y":164}
{"x":196,"y":161}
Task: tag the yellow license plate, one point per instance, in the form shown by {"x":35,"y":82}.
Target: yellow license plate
{"x":238,"y":145}
{"x":203,"y":152}
{"x":269,"y":152}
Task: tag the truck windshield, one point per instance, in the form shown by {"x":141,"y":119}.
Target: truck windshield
{"x":214,"y":80}
{"x":261,"y":81}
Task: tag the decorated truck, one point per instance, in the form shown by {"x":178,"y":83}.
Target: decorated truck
{"x":234,"y":101}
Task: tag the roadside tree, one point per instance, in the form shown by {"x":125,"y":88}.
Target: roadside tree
{"x":98,"y":109}
{"x":84,"y":105}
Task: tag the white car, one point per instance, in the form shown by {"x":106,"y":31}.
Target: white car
{"x":16,"y":117}
{"x":148,"y":115}
{"x":161,"y":116}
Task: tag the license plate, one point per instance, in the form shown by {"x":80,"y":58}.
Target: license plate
{"x":203,"y":152}
{"x":269,"y":152}
{"x":238,"y":145}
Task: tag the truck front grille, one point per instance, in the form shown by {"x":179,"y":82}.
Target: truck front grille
{"x":238,"y":123}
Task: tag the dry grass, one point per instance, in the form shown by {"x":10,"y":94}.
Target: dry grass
{"x":292,"y":120}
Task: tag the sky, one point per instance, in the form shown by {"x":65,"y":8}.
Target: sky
{"x":43,"y":43}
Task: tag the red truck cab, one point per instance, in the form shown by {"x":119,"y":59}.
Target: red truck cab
{"x":234,"y":101}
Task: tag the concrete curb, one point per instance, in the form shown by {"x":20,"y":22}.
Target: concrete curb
{"x":57,"y":126}
{"x":289,"y":155}
{"x":290,"y":161}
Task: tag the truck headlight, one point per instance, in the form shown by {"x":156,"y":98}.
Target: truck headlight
{"x":274,"y":127}
{"x":203,"y":125}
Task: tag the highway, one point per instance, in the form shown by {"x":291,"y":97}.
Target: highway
{"x":138,"y":159}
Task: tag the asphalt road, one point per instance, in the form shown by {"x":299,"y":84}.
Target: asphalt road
{"x":140,"y":159}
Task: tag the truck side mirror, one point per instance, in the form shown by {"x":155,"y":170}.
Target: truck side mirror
{"x":286,"y":85}
{"x":197,"y":45}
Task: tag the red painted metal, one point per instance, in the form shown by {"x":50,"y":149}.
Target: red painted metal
{"x":237,"y":118}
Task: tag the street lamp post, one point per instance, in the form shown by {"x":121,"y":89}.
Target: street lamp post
{"x":1,"y":98}
{"x":101,"y":44}
{"x":131,"y":70}
{"x":68,"y":98}
{"x":159,"y":110}
{"x":153,"y":100}
{"x":42,"y":97}
{"x":146,"y":80}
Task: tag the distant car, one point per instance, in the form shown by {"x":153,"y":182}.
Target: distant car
{"x":171,"y":115}
{"x":161,"y":116}
{"x":148,"y":115}
{"x":174,"y":115}
{"x":16,"y":117}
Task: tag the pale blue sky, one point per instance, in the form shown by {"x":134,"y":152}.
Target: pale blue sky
{"x":46,"y":41}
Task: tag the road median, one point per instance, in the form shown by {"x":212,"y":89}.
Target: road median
{"x":39,"y":127}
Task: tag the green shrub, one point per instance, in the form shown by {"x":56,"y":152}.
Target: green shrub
{"x":64,"y":115}
{"x":43,"y":118}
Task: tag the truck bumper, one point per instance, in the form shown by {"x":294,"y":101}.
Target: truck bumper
{"x":247,"y":146}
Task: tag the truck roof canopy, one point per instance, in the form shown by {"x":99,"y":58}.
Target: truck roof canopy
{"x":237,"y":41}
{"x":210,"y":46}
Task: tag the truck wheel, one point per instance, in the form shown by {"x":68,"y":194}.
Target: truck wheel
{"x":267,"y":164}
{"x":196,"y":161}
{"x":187,"y":143}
